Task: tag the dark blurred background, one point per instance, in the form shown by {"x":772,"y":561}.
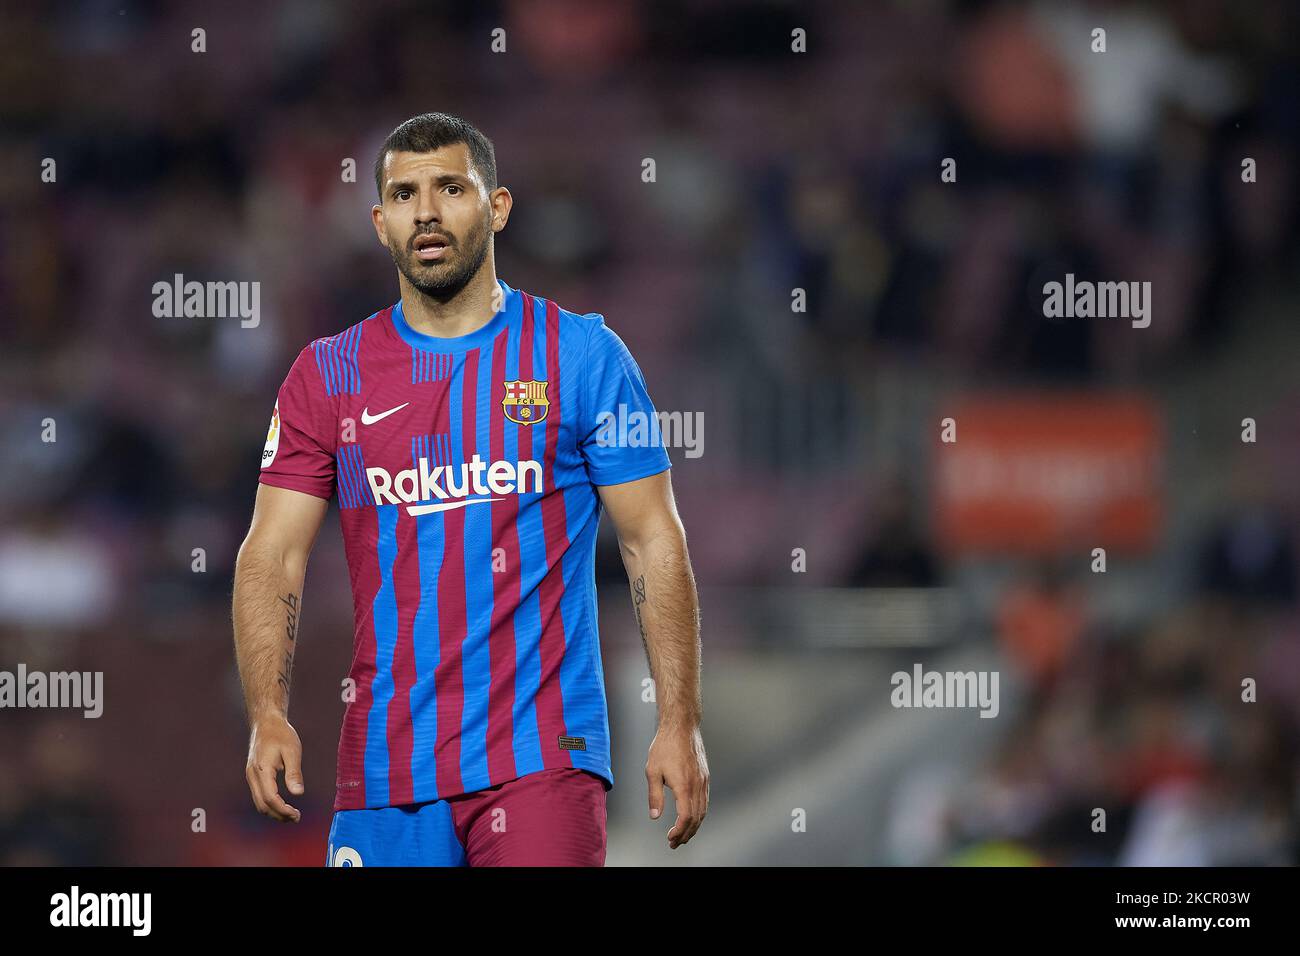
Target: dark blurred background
{"x":775,"y":171}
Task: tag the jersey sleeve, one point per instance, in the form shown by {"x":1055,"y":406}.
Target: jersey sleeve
{"x":619,"y":435}
{"x":299,"y":452}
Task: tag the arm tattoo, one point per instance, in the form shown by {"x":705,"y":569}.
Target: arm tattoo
{"x":638,"y":598}
{"x":291,"y":632}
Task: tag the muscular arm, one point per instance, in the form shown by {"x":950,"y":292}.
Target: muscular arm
{"x":267,"y":605}
{"x":653,"y":544}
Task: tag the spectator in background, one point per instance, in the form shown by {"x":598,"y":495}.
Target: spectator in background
{"x":1040,"y":623}
{"x":1249,"y":555}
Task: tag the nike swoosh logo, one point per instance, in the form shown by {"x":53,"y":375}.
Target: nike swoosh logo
{"x":446,"y":506}
{"x":368,"y":419}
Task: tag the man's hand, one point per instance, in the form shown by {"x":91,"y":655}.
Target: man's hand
{"x":274,"y":746}
{"x":677,"y":761}
{"x":653,"y":544}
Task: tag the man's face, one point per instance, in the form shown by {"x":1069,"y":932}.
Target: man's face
{"x":435,"y":218}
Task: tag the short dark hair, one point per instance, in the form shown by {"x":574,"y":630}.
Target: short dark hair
{"x":430,"y":131}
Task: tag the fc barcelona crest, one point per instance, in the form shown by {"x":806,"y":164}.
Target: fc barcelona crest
{"x":525,"y":402}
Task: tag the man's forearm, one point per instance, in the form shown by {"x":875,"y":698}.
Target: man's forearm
{"x":266,"y":608}
{"x":668,"y":614}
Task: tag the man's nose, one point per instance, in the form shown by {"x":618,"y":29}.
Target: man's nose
{"x":426,"y":210}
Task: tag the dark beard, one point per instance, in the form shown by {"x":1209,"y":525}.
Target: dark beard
{"x":444,"y":283}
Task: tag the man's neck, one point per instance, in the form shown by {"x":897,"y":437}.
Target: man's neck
{"x":468,"y":311}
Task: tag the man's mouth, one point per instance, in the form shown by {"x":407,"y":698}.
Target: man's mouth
{"x":430,"y":248}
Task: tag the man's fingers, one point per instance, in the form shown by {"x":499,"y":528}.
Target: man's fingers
{"x":262,"y":792}
{"x":682,"y":798}
{"x":655,"y":783}
{"x":695,"y":826}
{"x":255,"y":789}
{"x":691,"y":807}
{"x":264,"y":776}
{"x":281,"y":810}
{"x":293,"y":772}
{"x":676,"y":831}
{"x":701,"y":805}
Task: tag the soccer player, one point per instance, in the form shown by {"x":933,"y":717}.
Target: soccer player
{"x":461,"y":429}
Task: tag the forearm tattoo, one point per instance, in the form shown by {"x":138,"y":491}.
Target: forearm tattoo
{"x":290,"y":602}
{"x":638,"y":598}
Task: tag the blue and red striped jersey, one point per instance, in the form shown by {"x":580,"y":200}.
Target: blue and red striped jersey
{"x":466,"y":471}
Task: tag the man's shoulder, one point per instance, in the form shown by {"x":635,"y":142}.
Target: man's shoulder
{"x":348,"y":339}
{"x":569,"y":321}
{"x":337,"y":356}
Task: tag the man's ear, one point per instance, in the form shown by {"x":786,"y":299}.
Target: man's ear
{"x":377,"y":217}
{"x":500,"y":201}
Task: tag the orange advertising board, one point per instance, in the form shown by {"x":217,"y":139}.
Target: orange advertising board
{"x":1042,"y":473}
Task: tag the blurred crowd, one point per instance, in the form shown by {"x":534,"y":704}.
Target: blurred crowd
{"x":1169,"y":743}
{"x":775,"y":171}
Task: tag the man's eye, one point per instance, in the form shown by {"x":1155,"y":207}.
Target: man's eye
{"x":402,"y":194}
{"x":454,"y":186}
